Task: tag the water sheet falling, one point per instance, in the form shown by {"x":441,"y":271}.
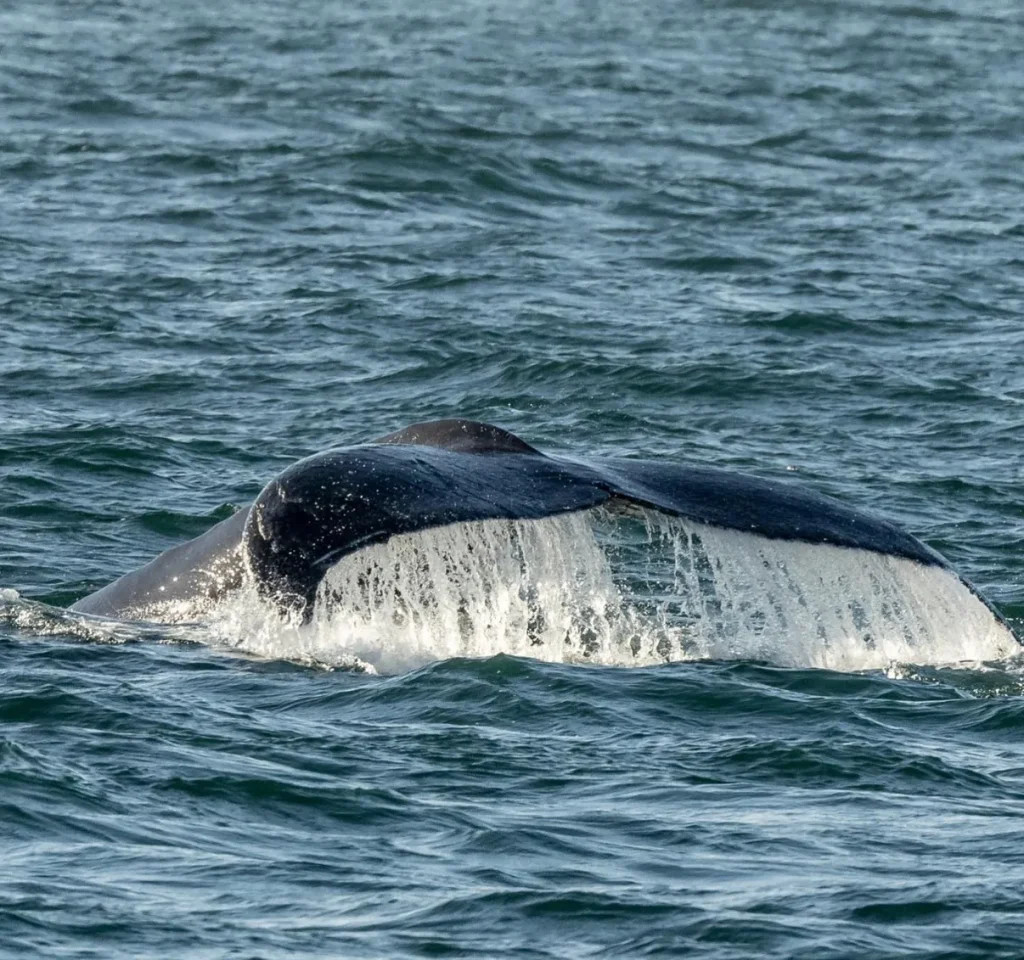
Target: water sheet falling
{"x":623,"y":586}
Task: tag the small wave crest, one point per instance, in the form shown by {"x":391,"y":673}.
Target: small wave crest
{"x":42,"y":620}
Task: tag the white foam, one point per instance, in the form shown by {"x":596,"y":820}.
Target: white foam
{"x":633,"y":590}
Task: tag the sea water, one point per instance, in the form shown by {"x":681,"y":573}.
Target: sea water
{"x":779,"y":239}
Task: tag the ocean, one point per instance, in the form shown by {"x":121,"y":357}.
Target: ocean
{"x":781,"y":239}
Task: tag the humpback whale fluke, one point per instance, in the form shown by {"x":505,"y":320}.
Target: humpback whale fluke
{"x":444,"y":472}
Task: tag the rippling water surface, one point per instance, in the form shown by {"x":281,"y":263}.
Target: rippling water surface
{"x":786,"y":239}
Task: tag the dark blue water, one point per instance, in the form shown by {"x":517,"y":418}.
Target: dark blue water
{"x":785,"y":239}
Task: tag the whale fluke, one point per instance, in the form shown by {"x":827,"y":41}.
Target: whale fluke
{"x":444,"y":472}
